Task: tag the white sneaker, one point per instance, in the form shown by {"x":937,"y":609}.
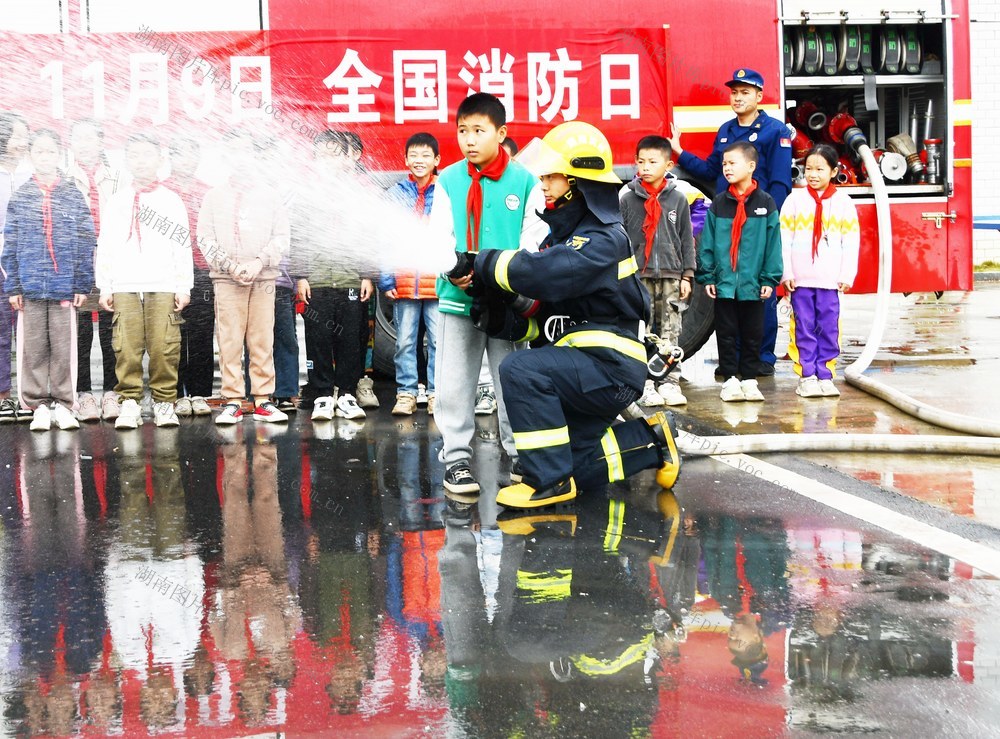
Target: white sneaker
{"x":64,"y":418}
{"x":232,"y":413}
{"x":200,"y":406}
{"x":110,"y":406}
{"x":347,"y":407}
{"x":650,"y":398}
{"x":808,"y":388}
{"x":732,"y":391}
{"x":671,"y":393}
{"x":183,"y":407}
{"x":421,"y":394}
{"x":349,"y":431}
{"x":828,"y":389}
{"x":323,"y":408}
{"x":751,"y":392}
{"x":164,"y":414}
{"x":130,"y":416}
{"x":42,"y":419}
{"x":486,"y":401}
{"x":88,"y":410}
{"x":366,"y":394}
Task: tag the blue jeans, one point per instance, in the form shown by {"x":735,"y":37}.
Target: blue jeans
{"x":286,"y":344}
{"x":406,"y":315}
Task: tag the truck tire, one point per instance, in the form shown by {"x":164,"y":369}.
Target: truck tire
{"x":698,"y":321}
{"x":385,"y":337}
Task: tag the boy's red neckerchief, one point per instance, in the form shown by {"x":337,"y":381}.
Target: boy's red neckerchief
{"x":474,"y":201}
{"x":738,"y":220}
{"x":653,"y":213}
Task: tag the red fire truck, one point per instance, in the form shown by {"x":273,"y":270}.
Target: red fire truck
{"x":900,"y":68}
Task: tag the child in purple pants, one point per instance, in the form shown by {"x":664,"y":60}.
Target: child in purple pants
{"x":820,"y":238}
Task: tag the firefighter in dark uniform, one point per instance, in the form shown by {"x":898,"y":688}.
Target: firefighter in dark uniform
{"x":562,"y":398}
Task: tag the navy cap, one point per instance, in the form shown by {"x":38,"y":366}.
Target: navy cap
{"x":746,"y":76}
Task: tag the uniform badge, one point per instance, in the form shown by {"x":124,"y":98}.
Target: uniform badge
{"x":760,"y":212}
{"x":672,"y":216}
{"x":723,"y":140}
{"x":578,"y":241}
{"x":513,"y":202}
{"x":752,"y":137}
{"x":785,"y":142}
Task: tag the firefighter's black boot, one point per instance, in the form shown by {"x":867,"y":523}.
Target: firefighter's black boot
{"x":665,"y":430}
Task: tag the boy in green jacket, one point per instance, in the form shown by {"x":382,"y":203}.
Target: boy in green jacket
{"x":739,"y":263}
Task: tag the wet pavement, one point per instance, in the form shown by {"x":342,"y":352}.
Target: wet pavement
{"x":313,"y":580}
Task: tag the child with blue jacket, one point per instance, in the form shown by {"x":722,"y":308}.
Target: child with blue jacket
{"x":48,"y":265}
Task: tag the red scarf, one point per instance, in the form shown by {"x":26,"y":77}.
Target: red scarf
{"x":95,"y":199}
{"x":133,"y":226}
{"x":47,"y":217}
{"x":474,"y":202}
{"x":738,"y":220}
{"x":818,"y":215}
{"x":653,"y":214}
{"x":418,"y":207}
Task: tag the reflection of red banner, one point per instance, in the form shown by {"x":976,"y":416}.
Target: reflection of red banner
{"x":385,"y":85}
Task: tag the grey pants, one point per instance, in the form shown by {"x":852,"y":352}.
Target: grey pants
{"x":46,"y":353}
{"x":460,"y":348}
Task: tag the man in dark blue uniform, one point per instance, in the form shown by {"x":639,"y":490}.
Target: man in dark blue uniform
{"x":771,"y":139}
{"x":563,"y":397}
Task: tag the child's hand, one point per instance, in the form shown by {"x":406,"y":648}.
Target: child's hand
{"x":79,"y":299}
{"x":392,"y":294}
{"x":765,"y":291}
{"x":843,"y":287}
{"x":16,"y":302}
{"x":685,"y":289}
{"x":710,"y":289}
{"x":366,"y":290}
{"x":181,"y":302}
{"x":107,"y":302}
{"x":304,"y":292}
{"x":789,"y":286}
{"x":247,"y":273}
{"x":675,"y":139}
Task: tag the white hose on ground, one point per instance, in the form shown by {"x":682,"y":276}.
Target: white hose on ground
{"x":704,"y":446}
{"x":983,"y":433}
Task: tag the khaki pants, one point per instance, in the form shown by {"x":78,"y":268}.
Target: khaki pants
{"x":46,"y":353}
{"x":245,"y":314}
{"x":146,"y":323}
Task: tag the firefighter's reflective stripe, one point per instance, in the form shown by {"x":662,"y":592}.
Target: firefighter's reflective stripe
{"x":541,"y":587}
{"x":627,"y":267}
{"x":604,"y":340}
{"x":542,"y":439}
{"x":500,"y":269}
{"x":634,"y":653}
{"x":616,"y":520}
{"x":531,"y":331}
{"x":671,"y":510}
{"x":613,"y":456}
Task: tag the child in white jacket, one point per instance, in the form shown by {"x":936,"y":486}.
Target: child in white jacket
{"x":820,"y":238}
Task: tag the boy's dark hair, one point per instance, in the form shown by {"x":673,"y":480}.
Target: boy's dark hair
{"x":423,"y":139}
{"x":483,"y":103}
{"x":827,"y":152}
{"x":354,"y":141}
{"x":141,"y":137}
{"x":45,"y":133}
{"x":178,"y":142}
{"x":749,"y":150}
{"x":328,"y":139}
{"x":658,"y":143}
{"x":92,"y":122}
{"x":7,"y":121}
{"x":511,"y":145}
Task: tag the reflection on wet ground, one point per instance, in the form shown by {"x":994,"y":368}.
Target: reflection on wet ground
{"x":314,"y":580}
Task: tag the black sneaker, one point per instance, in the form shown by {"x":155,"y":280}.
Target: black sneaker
{"x":8,"y":410}
{"x":285,"y":405}
{"x":516,"y":472}
{"x":459,"y":479}
{"x":765,"y":369}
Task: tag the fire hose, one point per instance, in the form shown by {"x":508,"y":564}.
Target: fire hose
{"x":982,"y":439}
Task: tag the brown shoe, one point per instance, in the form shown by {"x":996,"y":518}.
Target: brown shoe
{"x":405,"y":405}
{"x":430,"y":405}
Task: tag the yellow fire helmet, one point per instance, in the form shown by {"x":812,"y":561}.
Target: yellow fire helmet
{"x":575,"y":149}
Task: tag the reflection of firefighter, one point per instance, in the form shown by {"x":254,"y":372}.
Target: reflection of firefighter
{"x":563,"y":397}
{"x":575,"y":599}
